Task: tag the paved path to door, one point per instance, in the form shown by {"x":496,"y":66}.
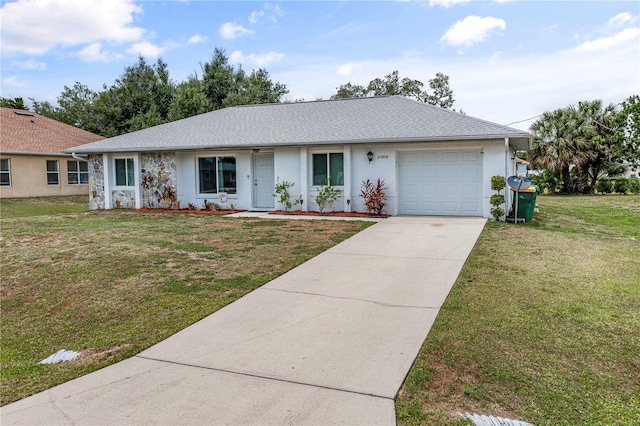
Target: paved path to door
{"x":329,"y":342}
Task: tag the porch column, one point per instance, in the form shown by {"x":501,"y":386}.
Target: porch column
{"x":346,"y":195}
{"x":304,"y":178}
{"x":106,"y":166}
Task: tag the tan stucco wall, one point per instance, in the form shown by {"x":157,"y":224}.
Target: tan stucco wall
{"x":29,"y":177}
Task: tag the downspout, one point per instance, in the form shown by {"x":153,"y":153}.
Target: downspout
{"x":79,"y":157}
{"x":507,"y":192}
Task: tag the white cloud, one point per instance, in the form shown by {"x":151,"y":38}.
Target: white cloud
{"x":550,"y":28}
{"x":472,"y":30}
{"x":148,"y":49}
{"x":35,"y":27}
{"x":13,"y":81}
{"x":197,"y":38}
{"x":446,"y":3}
{"x":29,"y":64}
{"x":622,"y":19}
{"x":230,"y":31}
{"x":605,"y":43}
{"x":259,"y":60}
{"x":270,"y":12}
{"x":255,"y":15}
{"x":94,"y":53}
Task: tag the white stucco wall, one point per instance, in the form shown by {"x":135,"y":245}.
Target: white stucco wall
{"x":294,"y":164}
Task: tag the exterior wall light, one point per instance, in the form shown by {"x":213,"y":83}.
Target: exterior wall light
{"x":370,"y":156}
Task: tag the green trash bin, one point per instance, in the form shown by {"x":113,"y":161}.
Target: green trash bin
{"x":526,"y":203}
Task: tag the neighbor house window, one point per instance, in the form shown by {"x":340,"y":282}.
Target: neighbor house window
{"x":124,"y":172}
{"x":5,"y":172}
{"x":53,"y":177}
{"x":77,"y":172}
{"x":217,"y":174}
{"x":328,"y":167}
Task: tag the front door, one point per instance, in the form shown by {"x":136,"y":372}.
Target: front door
{"x":263,"y":181}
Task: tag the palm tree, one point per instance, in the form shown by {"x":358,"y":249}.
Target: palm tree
{"x":558,"y":142}
{"x":598,"y":130}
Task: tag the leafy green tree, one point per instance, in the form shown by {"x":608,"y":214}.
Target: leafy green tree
{"x":350,"y":91}
{"x":628,"y":135}
{"x":75,"y":105}
{"x":14,"y":103}
{"x":217,"y":79}
{"x":189,"y":100}
{"x":440,"y":94}
{"x":141,"y":97}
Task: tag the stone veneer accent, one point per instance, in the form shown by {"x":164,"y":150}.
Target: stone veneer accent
{"x":162,"y":166}
{"x":123,"y":198}
{"x":96,"y":182}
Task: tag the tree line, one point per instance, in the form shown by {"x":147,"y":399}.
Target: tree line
{"x":579,"y":144}
{"x":145,"y":95}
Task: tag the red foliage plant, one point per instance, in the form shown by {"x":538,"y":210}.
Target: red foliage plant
{"x":374,"y":196}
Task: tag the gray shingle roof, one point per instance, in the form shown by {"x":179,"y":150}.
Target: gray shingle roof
{"x":364,"y":120}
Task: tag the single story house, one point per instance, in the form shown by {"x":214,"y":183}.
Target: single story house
{"x":433,"y":161}
{"x":32,"y":161}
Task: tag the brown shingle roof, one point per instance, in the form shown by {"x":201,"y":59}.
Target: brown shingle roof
{"x":25,"y":131}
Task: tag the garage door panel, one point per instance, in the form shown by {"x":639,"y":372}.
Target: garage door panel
{"x":440,"y":183}
{"x":471,"y":156}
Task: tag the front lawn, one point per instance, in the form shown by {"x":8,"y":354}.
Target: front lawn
{"x":112,"y":283}
{"x":42,"y":206}
{"x":543,"y":323}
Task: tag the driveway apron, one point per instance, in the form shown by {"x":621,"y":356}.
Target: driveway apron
{"x":329,"y":342}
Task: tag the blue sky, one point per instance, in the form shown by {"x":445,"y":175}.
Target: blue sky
{"x":507,"y":60}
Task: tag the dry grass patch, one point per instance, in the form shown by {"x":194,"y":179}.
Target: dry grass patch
{"x":112,"y":283}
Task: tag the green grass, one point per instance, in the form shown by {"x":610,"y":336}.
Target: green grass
{"x":543,"y":323}
{"x":42,"y":206}
{"x":113,"y":283}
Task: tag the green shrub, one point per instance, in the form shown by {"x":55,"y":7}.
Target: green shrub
{"x":634,"y":186}
{"x":621,"y":185}
{"x":548,"y":181}
{"x":604,"y":185}
{"x":498,"y":183}
{"x":284,"y":197}
{"x":326,"y":195}
{"x":496,"y":199}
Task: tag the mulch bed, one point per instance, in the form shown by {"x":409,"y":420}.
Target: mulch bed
{"x":200,"y":211}
{"x":339,"y":214}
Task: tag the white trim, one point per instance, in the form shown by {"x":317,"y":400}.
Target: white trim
{"x":7,"y":171}
{"x":205,"y":195}
{"x":137,"y":190}
{"x":47,"y":172}
{"x":346,"y":168}
{"x":304,"y":178}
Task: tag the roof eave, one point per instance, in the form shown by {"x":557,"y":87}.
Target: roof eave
{"x":46,"y":154}
{"x":522,"y":138}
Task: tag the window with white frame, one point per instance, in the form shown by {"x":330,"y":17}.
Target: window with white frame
{"x":5,"y":172}
{"x":124,"y":172}
{"x":217,"y":174}
{"x":328,"y":167}
{"x":77,"y":172}
{"x":53,"y":175}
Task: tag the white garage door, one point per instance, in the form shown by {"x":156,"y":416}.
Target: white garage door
{"x":440,"y":183}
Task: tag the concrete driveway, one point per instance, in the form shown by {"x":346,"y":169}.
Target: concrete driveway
{"x":329,"y":342}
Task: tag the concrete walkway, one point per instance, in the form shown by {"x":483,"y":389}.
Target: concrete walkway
{"x":329,"y":342}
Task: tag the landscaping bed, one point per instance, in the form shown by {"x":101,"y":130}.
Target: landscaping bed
{"x":336,"y":214}
{"x":190,"y":211}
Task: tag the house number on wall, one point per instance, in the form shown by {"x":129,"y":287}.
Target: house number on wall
{"x":382,"y":156}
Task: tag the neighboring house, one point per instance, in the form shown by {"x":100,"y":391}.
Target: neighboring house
{"x":32,"y":161}
{"x":433,"y":161}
